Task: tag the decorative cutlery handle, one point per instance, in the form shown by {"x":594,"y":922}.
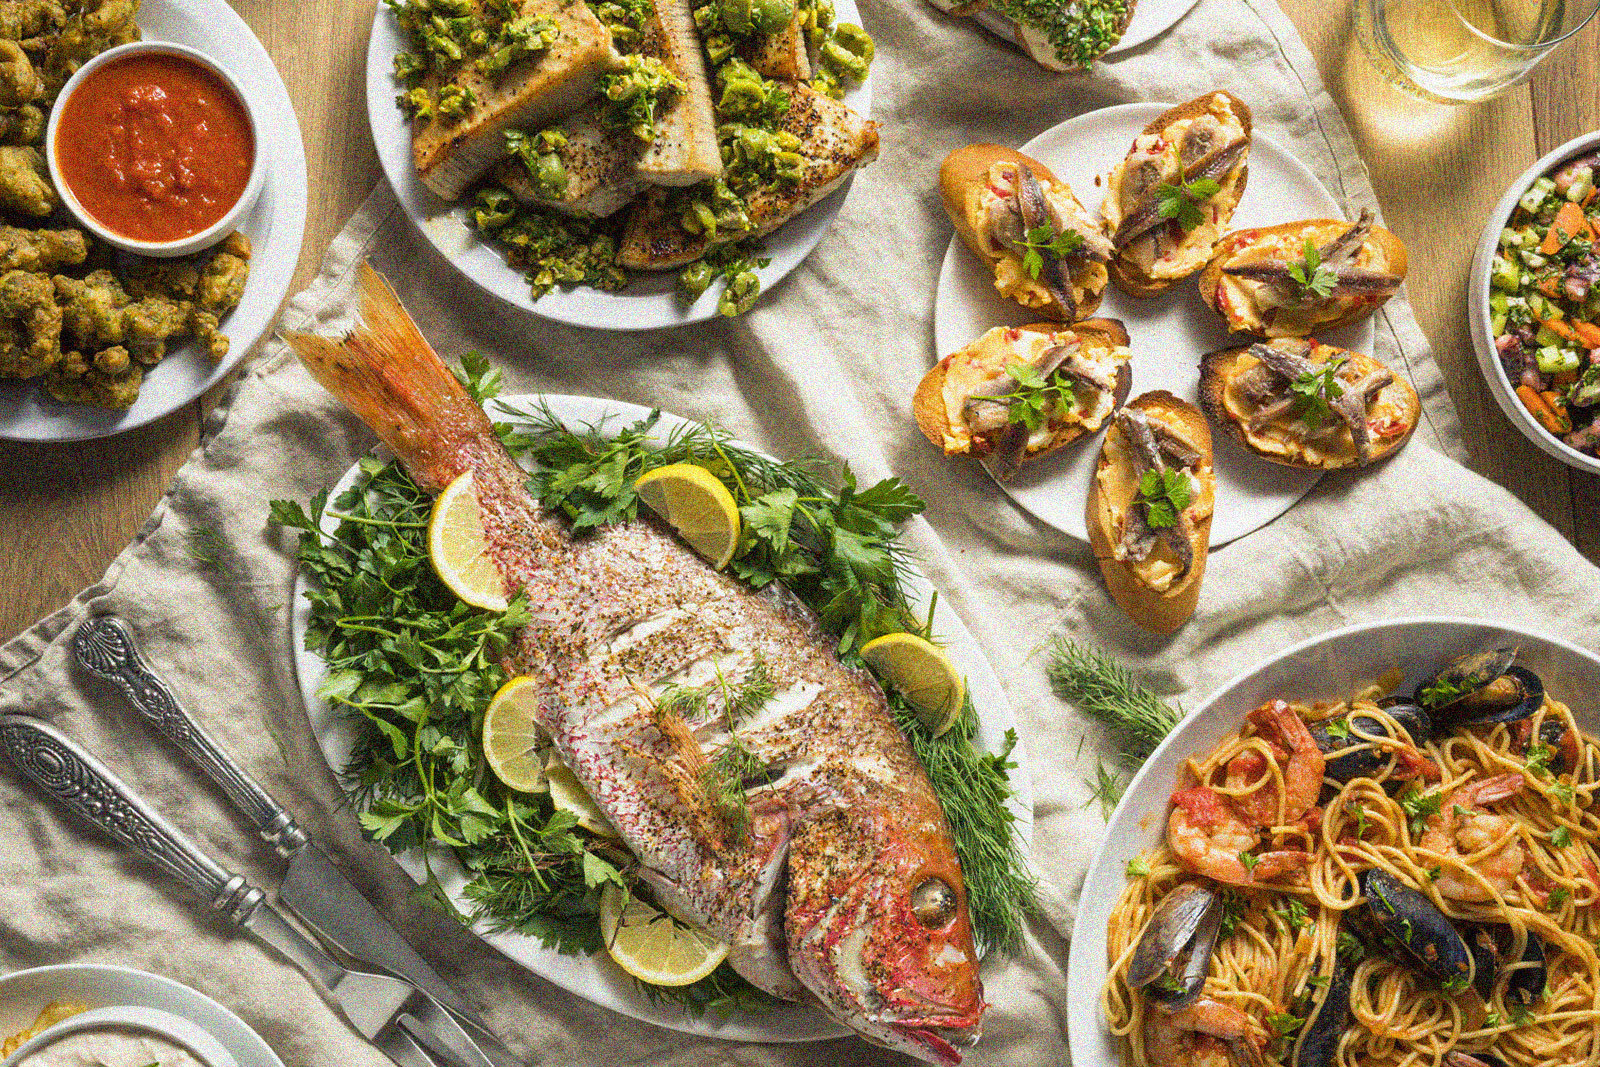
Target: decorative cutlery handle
{"x":105,"y":648}
{"x":83,"y":784}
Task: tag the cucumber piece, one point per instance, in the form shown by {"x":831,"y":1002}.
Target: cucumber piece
{"x":1547,"y":338}
{"x":1532,"y":259}
{"x":1504,"y":275}
{"x":1499,"y":302}
{"x":1497,"y":323}
{"x":1553,"y":360}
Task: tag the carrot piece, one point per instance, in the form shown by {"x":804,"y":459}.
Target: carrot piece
{"x":1589,"y":199}
{"x":1588,"y":333}
{"x":1569,"y":222}
{"x":1564,"y":379}
{"x":1549,"y":287}
{"x":1559,"y":328}
{"x":1540,"y":409}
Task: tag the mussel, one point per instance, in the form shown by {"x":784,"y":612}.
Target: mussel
{"x":1170,"y":961}
{"x":1402,"y":922}
{"x":1327,"y":1022}
{"x":1526,"y":975}
{"x":1347,"y":731}
{"x":1565,"y":745}
{"x":1481,"y":688}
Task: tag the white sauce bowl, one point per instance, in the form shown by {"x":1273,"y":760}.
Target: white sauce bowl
{"x":199,"y":1043}
{"x":1504,"y":390}
{"x":183,"y":246}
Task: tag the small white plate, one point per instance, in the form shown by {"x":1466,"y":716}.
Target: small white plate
{"x":650,"y":300}
{"x":596,"y":978}
{"x":1169,"y":333}
{"x":1323,"y":668}
{"x":1494,"y":372}
{"x":275,"y":226}
{"x":24,"y":993}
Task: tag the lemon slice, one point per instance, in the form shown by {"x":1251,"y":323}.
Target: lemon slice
{"x":567,"y":795}
{"x":920,"y":670}
{"x":457,"y":548}
{"x":696,"y":504}
{"x":512,"y":736}
{"x":653,"y":946}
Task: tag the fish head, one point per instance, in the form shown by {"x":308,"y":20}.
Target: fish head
{"x":878,"y":929}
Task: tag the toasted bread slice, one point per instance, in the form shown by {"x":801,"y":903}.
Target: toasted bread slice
{"x":1254,"y":304}
{"x":782,"y":55}
{"x":834,"y":142}
{"x":685,"y":148}
{"x":1160,"y":591}
{"x":1208,"y":137}
{"x":1252,"y":403}
{"x":450,"y":153}
{"x":943,"y":407}
{"x":971,"y":181}
{"x":601,"y":164}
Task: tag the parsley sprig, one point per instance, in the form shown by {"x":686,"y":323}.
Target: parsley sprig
{"x":1315,"y":391}
{"x":1044,"y":238}
{"x":1420,"y":806}
{"x":1164,"y":494}
{"x":1182,"y":201}
{"x":1036,"y":397}
{"x":1310,"y":275}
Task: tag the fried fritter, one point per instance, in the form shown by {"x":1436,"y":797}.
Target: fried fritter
{"x":96,"y":26}
{"x":21,"y":20}
{"x":41,"y":250}
{"x":25,"y":125}
{"x":25,"y":189}
{"x":30,"y":325}
{"x":222,"y":283}
{"x":78,"y":379}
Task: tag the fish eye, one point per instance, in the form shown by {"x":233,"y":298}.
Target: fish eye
{"x":933,"y":902}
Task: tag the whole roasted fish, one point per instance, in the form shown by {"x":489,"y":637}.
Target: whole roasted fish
{"x":832,"y":875}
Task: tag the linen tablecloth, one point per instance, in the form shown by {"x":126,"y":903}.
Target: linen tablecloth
{"x":824,"y":366}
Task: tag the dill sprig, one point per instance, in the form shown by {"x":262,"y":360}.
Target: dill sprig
{"x":1110,"y":694}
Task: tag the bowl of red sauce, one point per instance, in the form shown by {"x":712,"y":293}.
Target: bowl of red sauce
{"x":154,"y":148}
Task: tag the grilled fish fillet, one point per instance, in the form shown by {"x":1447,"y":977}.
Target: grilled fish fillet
{"x":834,"y":141}
{"x":780,"y":55}
{"x":844,"y":878}
{"x":450,"y":153}
{"x":601,"y":164}
{"x":685,"y":148}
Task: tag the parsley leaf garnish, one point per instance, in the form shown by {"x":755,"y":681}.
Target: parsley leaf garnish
{"x":1044,"y":238}
{"x":1182,"y":201}
{"x":1339,"y":728}
{"x":1249,"y":860}
{"x":1234,"y":906}
{"x":1164,"y":494}
{"x":1559,"y":896}
{"x":1315,"y":391}
{"x":1036,"y":396}
{"x":1420,"y":806}
{"x":1310,"y":274}
{"x":1561,"y":837}
{"x":1138,"y":868}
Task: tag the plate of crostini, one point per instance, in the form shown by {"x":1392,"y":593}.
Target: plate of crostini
{"x":581,"y":221}
{"x":1170,"y":323}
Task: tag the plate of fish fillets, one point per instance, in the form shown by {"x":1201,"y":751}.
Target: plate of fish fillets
{"x":813,"y":716}
{"x":631,"y":199}
{"x":1168,"y":333}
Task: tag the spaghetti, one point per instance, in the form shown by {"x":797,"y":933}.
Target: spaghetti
{"x":1487,"y":828}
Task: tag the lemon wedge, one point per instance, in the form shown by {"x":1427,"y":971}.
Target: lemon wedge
{"x":512,"y":737}
{"x":653,"y":946}
{"x":695,"y":503}
{"x":458,"y":550}
{"x":922,"y":672}
{"x":568,"y":795}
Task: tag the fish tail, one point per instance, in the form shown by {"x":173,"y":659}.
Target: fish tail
{"x":389,"y":376}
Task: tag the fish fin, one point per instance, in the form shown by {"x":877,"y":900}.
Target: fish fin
{"x":385,"y":372}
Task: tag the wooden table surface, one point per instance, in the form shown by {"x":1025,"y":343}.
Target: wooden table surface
{"x":66,"y":511}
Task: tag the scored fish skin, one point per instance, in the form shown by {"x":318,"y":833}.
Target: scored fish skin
{"x":685,"y":148}
{"x":834,"y":142}
{"x":845,"y":832}
{"x":781,"y":55}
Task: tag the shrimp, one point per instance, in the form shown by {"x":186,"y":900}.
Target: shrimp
{"x":1485,"y":853}
{"x":1208,"y":1033}
{"x":1208,"y":837}
{"x":1299,"y":759}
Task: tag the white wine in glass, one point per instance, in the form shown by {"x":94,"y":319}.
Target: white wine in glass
{"x":1459,"y":51}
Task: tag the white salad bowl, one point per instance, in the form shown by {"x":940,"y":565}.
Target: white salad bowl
{"x":1504,"y":390}
{"x":206,"y":1049}
{"x":1323,"y":668}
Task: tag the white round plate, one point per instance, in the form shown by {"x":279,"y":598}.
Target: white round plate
{"x":1323,"y":668}
{"x":1478,"y":304}
{"x":596,"y":978}
{"x":1151,"y":18}
{"x":24,"y":993}
{"x":649,"y":301}
{"x":1169,"y":333}
{"x":275,"y":226}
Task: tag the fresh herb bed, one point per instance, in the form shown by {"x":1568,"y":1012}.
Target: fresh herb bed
{"x":416,"y":668}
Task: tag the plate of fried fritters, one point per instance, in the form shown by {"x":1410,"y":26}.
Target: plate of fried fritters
{"x":94,"y":341}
